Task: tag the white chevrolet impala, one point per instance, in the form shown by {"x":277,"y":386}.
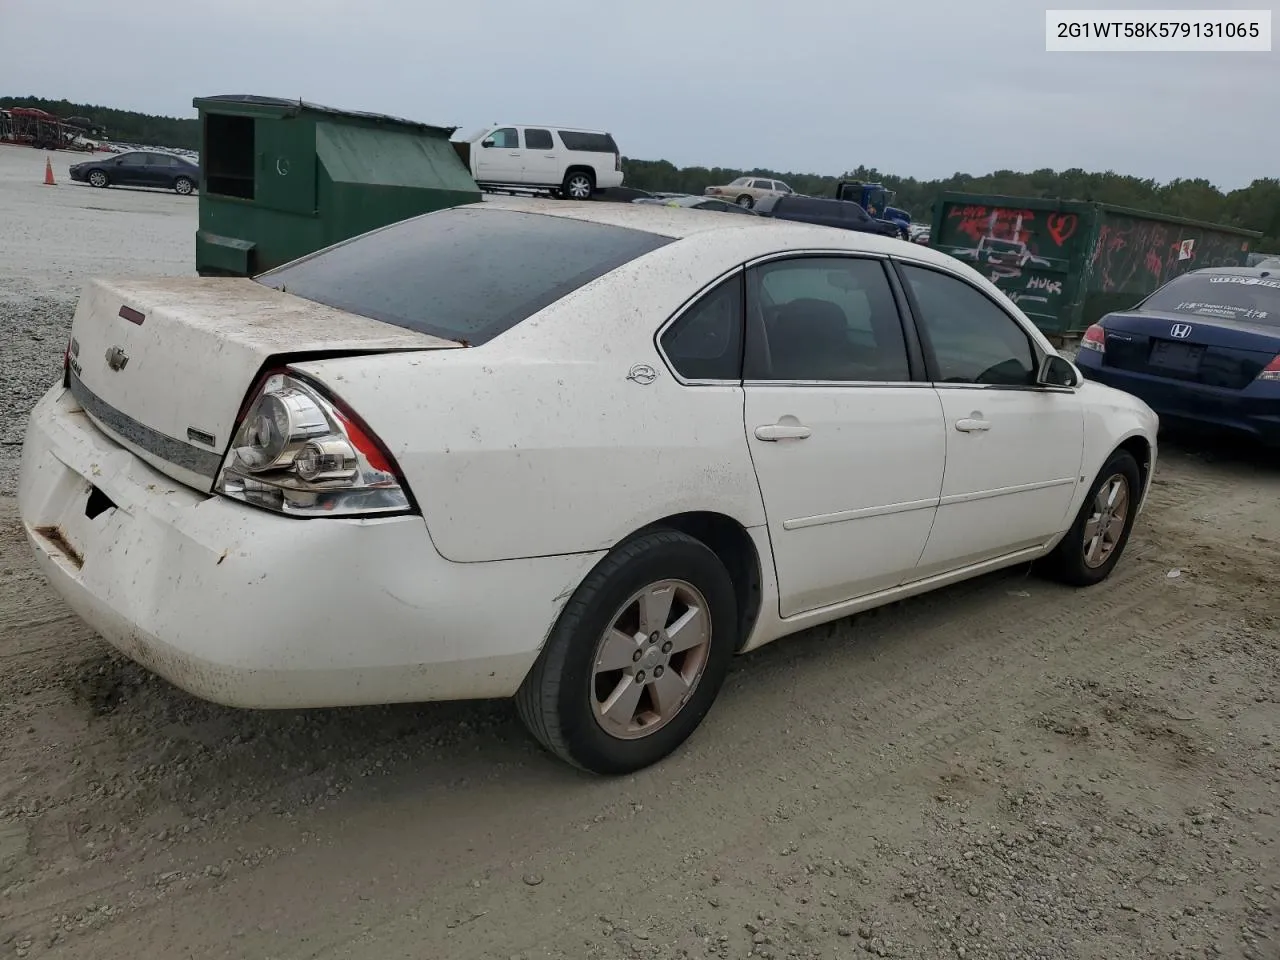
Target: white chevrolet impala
{"x":578,"y":455}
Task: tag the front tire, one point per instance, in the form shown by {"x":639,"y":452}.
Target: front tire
{"x":97,"y":179}
{"x":183,"y":186}
{"x":636,"y":658}
{"x":578,"y":185}
{"x":1090,"y":550}
{"x":745,"y":202}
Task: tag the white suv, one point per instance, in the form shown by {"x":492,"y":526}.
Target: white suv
{"x":571,"y":163}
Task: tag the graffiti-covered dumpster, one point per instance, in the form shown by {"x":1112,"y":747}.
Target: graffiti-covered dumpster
{"x":1066,"y":263}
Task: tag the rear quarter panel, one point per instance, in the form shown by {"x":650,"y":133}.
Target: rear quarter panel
{"x":537,"y":443}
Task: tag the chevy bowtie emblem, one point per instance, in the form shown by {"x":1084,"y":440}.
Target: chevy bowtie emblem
{"x":116,"y":358}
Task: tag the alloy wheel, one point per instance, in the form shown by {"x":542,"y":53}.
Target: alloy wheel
{"x":1107,"y":521}
{"x":649,"y":661}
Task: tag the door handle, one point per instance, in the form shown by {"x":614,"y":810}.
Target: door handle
{"x":972,"y":425}
{"x":782,"y":431}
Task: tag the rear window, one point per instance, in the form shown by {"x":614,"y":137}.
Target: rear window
{"x":464,"y":274}
{"x":590,"y":142}
{"x":1226,"y":295}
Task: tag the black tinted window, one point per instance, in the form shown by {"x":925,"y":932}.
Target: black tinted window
{"x":463,"y":274}
{"x":706,"y":342}
{"x":825,"y":318}
{"x":590,"y":142}
{"x":133,"y":160}
{"x":807,"y":207}
{"x":538,"y":140}
{"x":854,"y":212}
{"x":973,"y":340}
{"x":1226,"y":295}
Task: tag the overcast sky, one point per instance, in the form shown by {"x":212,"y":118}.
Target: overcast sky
{"x":919,"y":88}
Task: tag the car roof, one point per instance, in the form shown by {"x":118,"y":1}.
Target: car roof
{"x":680,"y":223}
{"x":555,"y":126}
{"x":1256,"y":271}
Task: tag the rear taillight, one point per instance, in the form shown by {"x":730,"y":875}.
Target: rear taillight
{"x":1272,"y":370}
{"x":66,"y":366}
{"x":300,"y":452}
{"x":617,"y":162}
{"x":1095,"y":338}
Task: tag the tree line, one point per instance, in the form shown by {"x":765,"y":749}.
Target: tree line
{"x":1255,"y":207}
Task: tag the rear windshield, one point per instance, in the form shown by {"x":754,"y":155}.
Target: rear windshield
{"x":588,"y":142}
{"x":1230,"y":296}
{"x":465,"y":274}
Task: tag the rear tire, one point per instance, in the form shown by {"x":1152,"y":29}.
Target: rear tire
{"x":1090,"y":550}
{"x":578,"y":185}
{"x":659,"y":591}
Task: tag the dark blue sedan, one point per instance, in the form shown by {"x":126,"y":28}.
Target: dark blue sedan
{"x":1203,"y":350}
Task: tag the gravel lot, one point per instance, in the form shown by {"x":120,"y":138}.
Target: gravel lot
{"x":1008,"y":770}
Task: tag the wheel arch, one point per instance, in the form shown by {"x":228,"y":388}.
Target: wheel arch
{"x":582,"y":168}
{"x":729,"y":541}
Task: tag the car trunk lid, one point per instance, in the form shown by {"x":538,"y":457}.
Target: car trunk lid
{"x":1213,"y":352}
{"x":163,"y":366}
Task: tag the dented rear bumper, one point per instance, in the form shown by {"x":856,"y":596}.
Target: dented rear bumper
{"x":249,"y":609}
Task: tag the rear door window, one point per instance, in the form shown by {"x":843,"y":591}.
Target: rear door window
{"x":538,"y":139}
{"x":465,"y":274}
{"x":824,"y":319}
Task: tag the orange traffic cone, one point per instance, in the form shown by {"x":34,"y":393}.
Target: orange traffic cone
{"x":48,"y":173}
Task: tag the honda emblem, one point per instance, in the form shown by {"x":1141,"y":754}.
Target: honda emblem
{"x":1180,"y":331}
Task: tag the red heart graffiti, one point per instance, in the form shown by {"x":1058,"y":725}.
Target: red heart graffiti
{"x":1062,"y":226}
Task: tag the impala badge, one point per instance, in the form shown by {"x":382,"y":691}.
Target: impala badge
{"x":642,"y":374}
{"x":116,"y":358}
{"x":1180,"y":331}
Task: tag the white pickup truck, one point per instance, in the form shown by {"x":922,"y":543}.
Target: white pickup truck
{"x":522,"y":158}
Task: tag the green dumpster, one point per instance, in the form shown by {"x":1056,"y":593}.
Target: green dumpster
{"x":1066,"y":263}
{"x":282,"y":178}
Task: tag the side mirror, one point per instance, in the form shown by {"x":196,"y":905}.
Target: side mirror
{"x":487,"y":142}
{"x":1057,"y":371}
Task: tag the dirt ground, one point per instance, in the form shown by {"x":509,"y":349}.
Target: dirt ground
{"x":1008,"y":769}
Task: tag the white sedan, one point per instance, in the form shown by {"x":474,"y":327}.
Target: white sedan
{"x":575,"y":455}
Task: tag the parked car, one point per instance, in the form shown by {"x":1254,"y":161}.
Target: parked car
{"x":697,"y":203}
{"x":749,"y":191}
{"x":563,"y":161}
{"x":139,"y":168}
{"x":1202,"y":350}
{"x":578,"y":456}
{"x":820,"y":211}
